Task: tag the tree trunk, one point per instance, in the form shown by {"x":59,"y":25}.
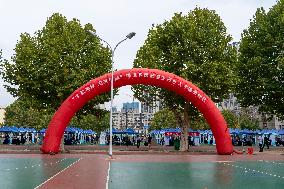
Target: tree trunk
{"x":184,"y":129}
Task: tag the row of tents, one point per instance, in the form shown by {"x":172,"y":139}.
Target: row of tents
{"x":128,"y":131}
{"x":231,"y":130}
{"x":14,"y":129}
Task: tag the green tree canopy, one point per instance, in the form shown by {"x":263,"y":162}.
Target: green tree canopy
{"x":49,"y":65}
{"x":96,"y":123}
{"x":196,"y":47}
{"x":231,"y":119}
{"x":247,"y":122}
{"x":162,"y":119}
{"x":261,"y":62}
{"x":199,"y":123}
{"x":20,"y":114}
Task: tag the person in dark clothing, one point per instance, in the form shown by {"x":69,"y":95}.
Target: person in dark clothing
{"x":162,"y":141}
{"x":127,"y":141}
{"x":138,"y":141}
{"x":176,"y":143}
{"x":23,"y":139}
{"x":266,"y":142}
{"x":149,"y":141}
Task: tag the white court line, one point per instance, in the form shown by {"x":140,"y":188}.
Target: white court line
{"x":108,"y":175}
{"x":57,"y":174}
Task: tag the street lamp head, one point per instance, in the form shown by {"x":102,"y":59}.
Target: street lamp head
{"x":130,"y":35}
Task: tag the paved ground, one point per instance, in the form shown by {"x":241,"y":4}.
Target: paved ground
{"x":148,"y":168}
{"x":24,"y":171}
{"x":30,"y":172}
{"x":207,"y":149}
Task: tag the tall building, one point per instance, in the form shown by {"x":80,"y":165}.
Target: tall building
{"x":153,"y":107}
{"x":130,"y":116}
{"x":264,"y":123}
{"x":130,"y":107}
{"x":272,"y":123}
{"x":230,"y":103}
{"x":2,"y":115}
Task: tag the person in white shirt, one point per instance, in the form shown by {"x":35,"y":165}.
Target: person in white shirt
{"x":260,"y":143}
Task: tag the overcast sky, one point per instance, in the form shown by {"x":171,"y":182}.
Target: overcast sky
{"x":113,"y":20}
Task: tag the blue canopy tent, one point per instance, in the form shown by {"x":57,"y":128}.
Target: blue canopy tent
{"x":233,"y":131}
{"x":42,"y":131}
{"x":274,"y":132}
{"x":115,"y":131}
{"x":257,"y":131}
{"x":247,"y":132}
{"x":265,"y":131}
{"x":14,"y":129}
{"x":31,"y":130}
{"x":191,"y":130}
{"x":5,"y":129}
{"x":129,"y":131}
{"x":154,"y":132}
{"x":281,"y":132}
{"x":89,"y":132}
{"x":71,"y":130}
{"x":208,"y":132}
{"x":22,"y":130}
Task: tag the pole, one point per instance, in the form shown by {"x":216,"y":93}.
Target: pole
{"x":141,"y":126}
{"x":126,"y":119}
{"x":111,"y":104}
{"x":129,"y":36}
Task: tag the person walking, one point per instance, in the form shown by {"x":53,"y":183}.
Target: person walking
{"x":266,"y":142}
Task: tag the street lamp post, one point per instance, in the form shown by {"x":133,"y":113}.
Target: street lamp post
{"x":129,"y":36}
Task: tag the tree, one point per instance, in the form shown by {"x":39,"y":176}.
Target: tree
{"x":93,"y":122}
{"x":196,"y":47}
{"x":1,"y":56}
{"x":247,"y":122}
{"x":199,"y":123}
{"x":48,"y":66}
{"x":164,"y":118}
{"x":20,"y":114}
{"x":261,"y":62}
{"x":231,"y":119}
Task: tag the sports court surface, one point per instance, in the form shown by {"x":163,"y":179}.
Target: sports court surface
{"x":140,"y":171}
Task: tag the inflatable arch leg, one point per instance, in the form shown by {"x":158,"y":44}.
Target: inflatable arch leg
{"x":134,"y":76}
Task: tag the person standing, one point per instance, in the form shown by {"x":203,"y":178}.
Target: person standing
{"x":127,"y":141}
{"x":260,"y":143}
{"x":138,"y":141}
{"x":149,"y":141}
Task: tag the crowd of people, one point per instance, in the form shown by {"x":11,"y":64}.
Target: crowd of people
{"x":131,"y":140}
{"x":20,"y":138}
{"x":247,"y":140}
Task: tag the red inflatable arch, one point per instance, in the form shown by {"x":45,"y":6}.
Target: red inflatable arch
{"x":135,"y":76}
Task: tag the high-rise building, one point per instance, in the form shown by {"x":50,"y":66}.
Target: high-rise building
{"x":130,"y":116}
{"x":152,"y":107}
{"x":2,"y":115}
{"x":130,"y":107}
{"x":232,"y":104}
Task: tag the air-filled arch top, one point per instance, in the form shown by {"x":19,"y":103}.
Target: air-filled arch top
{"x":136,"y":76}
